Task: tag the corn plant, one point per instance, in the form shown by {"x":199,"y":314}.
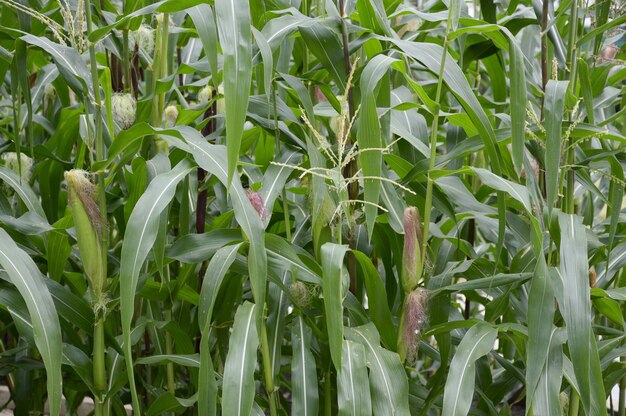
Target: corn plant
{"x":306,"y":207}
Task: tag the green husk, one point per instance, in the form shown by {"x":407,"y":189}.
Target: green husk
{"x":411,"y":256}
{"x":89,"y":228}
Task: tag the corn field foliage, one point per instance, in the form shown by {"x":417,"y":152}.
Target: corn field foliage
{"x":354,"y":207}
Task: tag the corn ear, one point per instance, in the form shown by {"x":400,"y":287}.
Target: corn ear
{"x":411,"y":257}
{"x":89,"y":229}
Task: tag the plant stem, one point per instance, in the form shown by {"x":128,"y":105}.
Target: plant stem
{"x":574,"y":403}
{"x":351,"y":168}
{"x":171,"y":386}
{"x":126,"y":60}
{"x":267,"y":370}
{"x":428,"y":202}
{"x":99,"y":368}
{"x":621,"y":406}
{"x":327,"y":396}
{"x":99,"y":375}
{"x":160,"y":71}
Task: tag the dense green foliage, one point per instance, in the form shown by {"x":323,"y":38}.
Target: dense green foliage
{"x":420,"y":211}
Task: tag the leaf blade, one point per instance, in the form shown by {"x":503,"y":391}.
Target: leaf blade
{"x":233,"y":22}
{"x":332,"y":288}
{"x":30,"y":283}
{"x":140,"y":235}
{"x":238,"y":384}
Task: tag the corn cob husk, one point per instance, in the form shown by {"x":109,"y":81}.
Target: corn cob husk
{"x":89,"y":228}
{"x":411,"y":256}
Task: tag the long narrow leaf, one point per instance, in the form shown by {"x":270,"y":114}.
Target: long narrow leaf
{"x":30,"y":283}
{"x":212,"y":158}
{"x":369,"y":135}
{"x":215,"y":272}
{"x":204,"y":21}
{"x":459,"y":390}
{"x":141,"y":233}
{"x":25,"y":192}
{"x":353,"y":391}
{"x":233,"y":22}
{"x":238,"y":387}
{"x":540,"y":315}
{"x":389,"y":386}
{"x":332,"y":288}
{"x":554,"y":101}
{"x":575,"y":306}
{"x":303,"y":372}
{"x":517,"y":99}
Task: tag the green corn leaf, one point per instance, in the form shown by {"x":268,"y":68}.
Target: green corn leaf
{"x":455,"y":13}
{"x":584,"y":76}
{"x":212,"y":158}
{"x":276,"y":30}
{"x":353,"y":391}
{"x":69,"y":62}
{"x":388,"y":381}
{"x":517,"y":99}
{"x":616,"y":195}
{"x":275,"y":178}
{"x":429,"y":54}
{"x":24,"y":191}
{"x":369,"y":135}
{"x":514,"y":190}
{"x":459,"y":390}
{"x":190,"y":360}
{"x":164,"y":6}
{"x":238,"y":386}
{"x":167,"y":402}
{"x":303,"y":94}
{"x":601,"y":10}
{"x":141,"y":233}
{"x":378,"y":307}
{"x":204,"y":21}
{"x":215,"y":273}
{"x":575,"y":306}
{"x":285,"y":257}
{"x":373,"y":16}
{"x":30,"y":283}
{"x":196,"y":248}
{"x":80,"y":362}
{"x":599,"y":30}
{"x":278,"y":304}
{"x":332,"y":288}
{"x":547,"y":397}
{"x":540,"y":316}
{"x":324,"y":44}
{"x":303,"y":371}
{"x":554,"y":102}
{"x":233,"y":22}
{"x":268,"y":62}
{"x":207,"y":386}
